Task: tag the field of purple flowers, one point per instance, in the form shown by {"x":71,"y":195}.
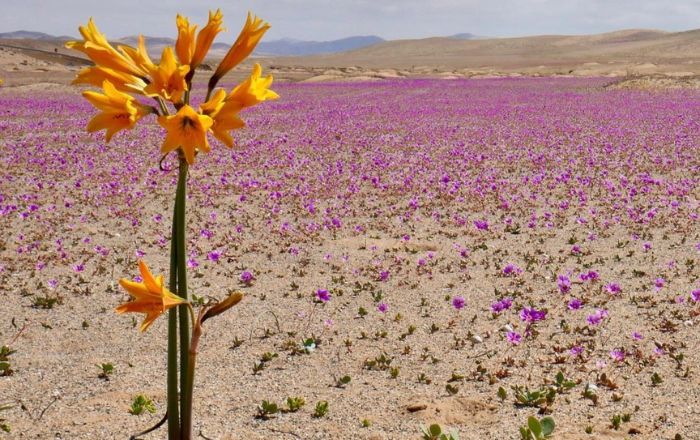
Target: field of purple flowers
{"x":468,"y":253}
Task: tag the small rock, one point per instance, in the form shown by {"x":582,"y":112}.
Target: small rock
{"x":415,"y":407}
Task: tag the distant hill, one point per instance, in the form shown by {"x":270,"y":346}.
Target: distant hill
{"x":290,"y":47}
{"x":31,"y":35}
{"x":619,"y":53}
{"x":539,"y":53}
{"x":283,"y":47}
{"x":464,"y":36}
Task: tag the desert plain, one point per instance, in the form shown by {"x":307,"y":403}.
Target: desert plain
{"x":498,"y":229}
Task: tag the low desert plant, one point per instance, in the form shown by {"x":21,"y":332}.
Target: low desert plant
{"x":140,"y":404}
{"x":434,"y":432}
{"x":321,"y":409}
{"x":106,"y":370}
{"x":5,"y":426}
{"x":267,"y":409}
{"x":537,"y":429}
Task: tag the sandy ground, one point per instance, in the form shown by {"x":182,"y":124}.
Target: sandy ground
{"x":55,"y":388}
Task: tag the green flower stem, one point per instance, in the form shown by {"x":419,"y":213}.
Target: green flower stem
{"x":189,"y":378}
{"x":173,"y":409}
{"x":184,"y":323}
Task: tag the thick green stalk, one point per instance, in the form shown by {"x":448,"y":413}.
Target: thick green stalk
{"x":173,"y":401}
{"x":187,"y":398}
{"x":184,"y":324}
{"x":189,"y":380}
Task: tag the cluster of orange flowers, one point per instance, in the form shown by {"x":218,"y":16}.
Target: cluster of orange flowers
{"x":125,"y":72}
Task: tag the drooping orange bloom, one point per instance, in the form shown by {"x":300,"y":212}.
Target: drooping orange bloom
{"x":168,"y":78}
{"x":97,"y":75}
{"x":119,"y":111}
{"x":187,"y":130}
{"x":250,"y":35}
{"x":150,"y":296}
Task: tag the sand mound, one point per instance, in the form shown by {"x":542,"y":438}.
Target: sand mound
{"x":658,"y":82}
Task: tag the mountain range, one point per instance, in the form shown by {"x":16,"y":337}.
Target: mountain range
{"x":281,"y":47}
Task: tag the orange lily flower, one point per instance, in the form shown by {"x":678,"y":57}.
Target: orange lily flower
{"x":168,"y":78}
{"x":97,"y":75}
{"x":185,"y":44}
{"x":224,"y":109}
{"x":250,"y":35}
{"x":206,"y":36}
{"x":187,"y":130}
{"x":98,"y":49}
{"x":119,"y":111}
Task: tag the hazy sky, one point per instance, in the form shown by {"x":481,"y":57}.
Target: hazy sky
{"x":331,"y":19}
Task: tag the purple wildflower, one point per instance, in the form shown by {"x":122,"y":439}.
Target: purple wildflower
{"x":564,"y":283}
{"x":574,"y":304}
{"x":514,"y":338}
{"x":576,"y":350}
{"x":597,"y":317}
{"x":659,"y":283}
{"x":458,"y":302}
{"x":481,"y":225}
{"x":247,"y":277}
{"x":383,"y":307}
{"x":530,"y":314}
{"x":323,"y":295}
{"x":613,"y":288}
{"x":501,"y":305}
{"x":591,"y":275}
{"x":695,"y":295}
{"x":511,"y":269}
{"x":617,"y":354}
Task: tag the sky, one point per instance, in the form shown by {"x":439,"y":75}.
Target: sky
{"x":332,"y":19}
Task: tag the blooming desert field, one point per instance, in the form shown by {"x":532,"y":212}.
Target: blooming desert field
{"x":461,"y":252}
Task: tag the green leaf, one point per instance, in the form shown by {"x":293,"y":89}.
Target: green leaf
{"x":525,"y":433}
{"x":435,"y":430}
{"x":534,"y":426}
{"x":547,"y":426}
